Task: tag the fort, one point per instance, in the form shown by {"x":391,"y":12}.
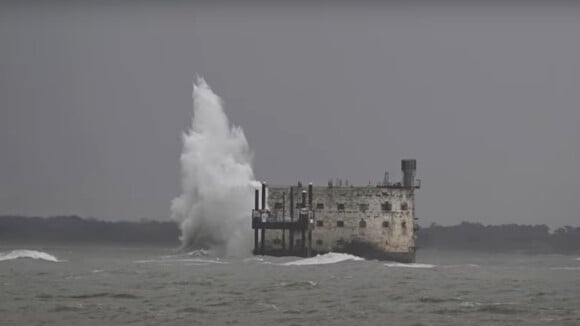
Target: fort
{"x":373,"y":222}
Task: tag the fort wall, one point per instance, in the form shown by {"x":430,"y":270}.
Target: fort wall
{"x":381,"y":217}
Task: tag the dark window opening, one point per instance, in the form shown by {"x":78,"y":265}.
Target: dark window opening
{"x":404,"y":225}
{"x":319,"y":223}
{"x":319,"y":206}
{"x":386,"y":206}
{"x":362,"y":224}
{"x":363,"y":207}
{"x":404,"y":206}
{"x":298,"y":243}
{"x":340,"y":224}
{"x":340,"y":242}
{"x":385,"y":224}
{"x":340,"y":207}
{"x":277,"y":205}
{"x":319,"y":242}
{"x":298,"y":205}
{"x":277,"y":241}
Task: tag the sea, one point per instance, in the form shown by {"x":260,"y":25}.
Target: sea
{"x":141,"y":285}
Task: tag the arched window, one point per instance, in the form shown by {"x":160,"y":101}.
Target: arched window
{"x":385,"y":224}
{"x":362,"y":223}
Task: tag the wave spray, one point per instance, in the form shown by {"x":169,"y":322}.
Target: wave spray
{"x":217,"y":180}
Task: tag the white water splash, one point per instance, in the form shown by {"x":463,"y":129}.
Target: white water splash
{"x":32,"y":254}
{"x":410,"y":265}
{"x":329,"y":258}
{"x":217,"y":180}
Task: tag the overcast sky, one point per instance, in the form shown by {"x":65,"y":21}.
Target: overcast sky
{"x":94,"y":98}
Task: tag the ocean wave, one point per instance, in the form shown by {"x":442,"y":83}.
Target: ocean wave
{"x":199,"y":253}
{"x":24,"y":253}
{"x":412,"y":265}
{"x":329,"y":258}
{"x":494,"y":307}
{"x":463,"y":265}
{"x":181,"y":260}
{"x":567,"y":268}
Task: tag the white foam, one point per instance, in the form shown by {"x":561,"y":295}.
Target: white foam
{"x":253,"y":259}
{"x":329,"y":258}
{"x":413,"y":265}
{"x":575,"y":268}
{"x":24,"y":253}
{"x":185,"y":260}
{"x":464,"y":265}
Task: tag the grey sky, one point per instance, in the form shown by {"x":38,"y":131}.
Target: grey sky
{"x":93,"y":100}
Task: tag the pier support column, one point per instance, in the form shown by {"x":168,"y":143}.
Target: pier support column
{"x":291,"y":240}
{"x":263,"y":235}
{"x":256,"y":208}
{"x":263,"y":244}
{"x":284,"y":221}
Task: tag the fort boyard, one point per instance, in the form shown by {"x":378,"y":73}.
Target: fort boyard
{"x":373,"y":221}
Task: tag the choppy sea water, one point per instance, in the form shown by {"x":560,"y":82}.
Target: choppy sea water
{"x":100,"y":285}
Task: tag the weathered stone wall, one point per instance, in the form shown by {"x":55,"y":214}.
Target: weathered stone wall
{"x":383,"y":217}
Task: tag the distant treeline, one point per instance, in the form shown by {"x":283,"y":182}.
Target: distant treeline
{"x":500,"y":238}
{"x":464,"y":236}
{"x":77,"y":229}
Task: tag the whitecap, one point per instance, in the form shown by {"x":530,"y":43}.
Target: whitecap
{"x":253,"y":259}
{"x":24,"y":253}
{"x":412,"y":265}
{"x":566,"y":268}
{"x":183,"y":260}
{"x":469,"y":304}
{"x":464,"y":265}
{"x":329,"y":258}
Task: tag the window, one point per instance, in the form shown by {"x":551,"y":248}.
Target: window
{"x":319,"y":206}
{"x":363,"y":207}
{"x":340,"y":207}
{"x":319,"y":242}
{"x":385,"y":224}
{"x":277,"y":205}
{"x":386,"y":206}
{"x":298,"y":205}
{"x":362,"y":223}
{"x":404,"y":225}
{"x":277,"y":241}
{"x":319,"y":223}
{"x":340,"y":242}
{"x":404,"y":206}
{"x":340,"y":224}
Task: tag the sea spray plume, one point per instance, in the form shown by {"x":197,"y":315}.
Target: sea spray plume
{"x":217,"y":180}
